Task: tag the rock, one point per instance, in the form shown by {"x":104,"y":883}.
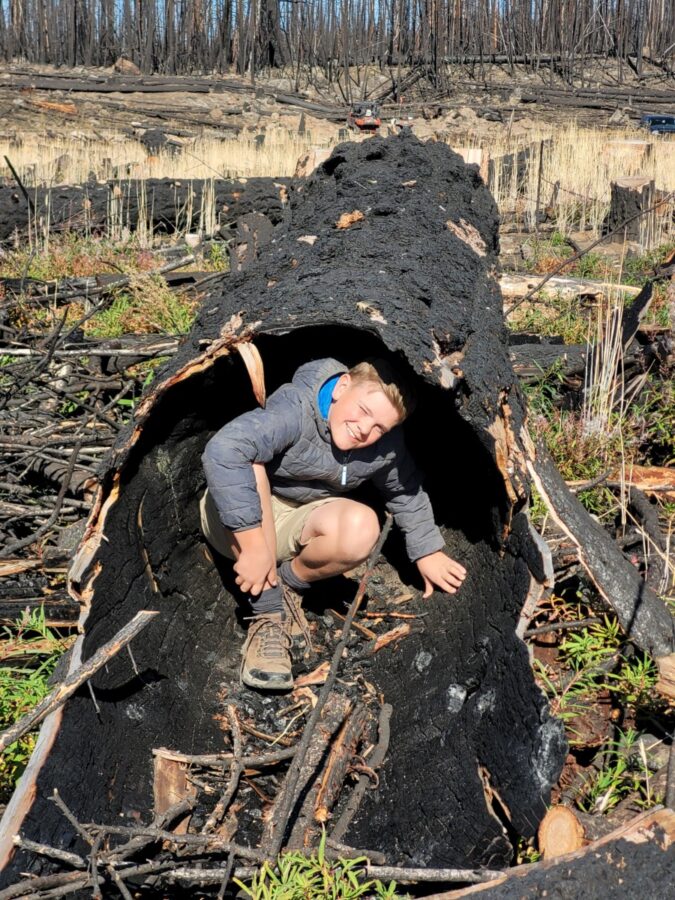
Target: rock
{"x":619,"y":117}
{"x":310,"y":161}
{"x":125,"y":66}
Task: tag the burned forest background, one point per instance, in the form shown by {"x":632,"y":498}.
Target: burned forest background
{"x":564,"y":37}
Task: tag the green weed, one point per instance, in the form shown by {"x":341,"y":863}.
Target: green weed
{"x":146,"y":306}
{"x":555,"y":314}
{"x":624,"y":772}
{"x":29,"y":652}
{"x":216,"y":257}
{"x":314,"y":877}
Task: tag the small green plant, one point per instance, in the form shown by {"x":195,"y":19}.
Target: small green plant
{"x":146,"y":306}
{"x":551,"y":314}
{"x":216,"y":258}
{"x":587,"y":648}
{"x":300,"y":877}
{"x":624,"y":772}
{"x":29,"y":652}
{"x":633,"y":684}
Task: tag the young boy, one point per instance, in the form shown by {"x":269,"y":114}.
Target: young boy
{"x":278,"y":492}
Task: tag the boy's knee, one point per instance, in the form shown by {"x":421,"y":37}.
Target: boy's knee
{"x":358,"y":533}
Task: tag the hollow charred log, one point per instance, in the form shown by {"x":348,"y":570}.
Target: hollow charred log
{"x":390,"y":249}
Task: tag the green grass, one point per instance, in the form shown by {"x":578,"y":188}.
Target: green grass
{"x":29,"y":651}
{"x":553,"y":315}
{"x":315,"y":877}
{"x":624,"y":772}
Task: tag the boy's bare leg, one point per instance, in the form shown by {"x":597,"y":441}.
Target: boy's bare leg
{"x":339,"y":536}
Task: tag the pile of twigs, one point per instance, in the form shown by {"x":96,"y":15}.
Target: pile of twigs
{"x":63,"y":400}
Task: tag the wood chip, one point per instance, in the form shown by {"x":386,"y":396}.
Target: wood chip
{"x":403,"y":598}
{"x":346,"y":220}
{"x":389,"y":637}
{"x":318,"y":676}
{"x":16,"y":566}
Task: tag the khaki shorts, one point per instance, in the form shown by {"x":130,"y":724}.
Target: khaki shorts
{"x":289,"y":520}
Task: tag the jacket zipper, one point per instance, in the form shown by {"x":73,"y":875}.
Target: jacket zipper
{"x":343,"y":470}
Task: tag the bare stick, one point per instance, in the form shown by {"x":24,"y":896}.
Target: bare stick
{"x":177,"y":811}
{"x":61,"y":803}
{"x":288,"y":791}
{"x":221,"y":759}
{"x":375,"y":761}
{"x":414,"y":876}
{"x":212,"y":841}
{"x":33,"y":887}
{"x":561,"y":626}
{"x":77,"y":678}
{"x":71,"y":859}
{"x":235,"y":774}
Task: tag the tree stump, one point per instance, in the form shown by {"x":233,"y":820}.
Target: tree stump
{"x":632,"y":202}
{"x":473,"y":750}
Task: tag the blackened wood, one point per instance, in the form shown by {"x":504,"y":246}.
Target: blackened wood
{"x":67,"y":688}
{"x":643,"y":615}
{"x":531,"y":362}
{"x":632,"y":860}
{"x":87,"y":207}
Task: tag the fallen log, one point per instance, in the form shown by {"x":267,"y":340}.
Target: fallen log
{"x":162,"y":203}
{"x":514,"y":287}
{"x":644,"y":617}
{"x":466,"y":710}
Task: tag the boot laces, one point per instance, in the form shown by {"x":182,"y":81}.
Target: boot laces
{"x":294,"y":607}
{"x":274,"y":642}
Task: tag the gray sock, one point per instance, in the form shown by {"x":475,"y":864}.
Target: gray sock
{"x":269,"y":601}
{"x":289,"y":577}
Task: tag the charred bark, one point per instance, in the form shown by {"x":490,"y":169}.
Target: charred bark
{"x":162,"y":204}
{"x":411,"y":277}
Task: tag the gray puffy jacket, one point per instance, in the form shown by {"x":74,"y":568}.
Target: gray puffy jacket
{"x":292,"y":439}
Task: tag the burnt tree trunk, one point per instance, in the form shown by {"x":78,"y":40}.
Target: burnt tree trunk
{"x":161,"y":204}
{"x":412,"y":278}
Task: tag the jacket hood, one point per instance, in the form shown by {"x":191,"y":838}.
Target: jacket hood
{"x":313,"y":375}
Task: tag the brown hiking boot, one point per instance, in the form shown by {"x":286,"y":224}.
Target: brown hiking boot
{"x":267,"y":658}
{"x":296,"y":623}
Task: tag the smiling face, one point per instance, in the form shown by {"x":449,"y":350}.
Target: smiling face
{"x":359,"y":414}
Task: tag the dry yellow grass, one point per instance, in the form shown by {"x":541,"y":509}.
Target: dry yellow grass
{"x":70,"y":159}
{"x":584,"y":162}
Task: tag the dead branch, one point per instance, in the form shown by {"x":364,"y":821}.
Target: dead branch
{"x":375,"y":760}
{"x":235,"y":774}
{"x":419,"y":876}
{"x":286,"y":800}
{"x":83,"y":673}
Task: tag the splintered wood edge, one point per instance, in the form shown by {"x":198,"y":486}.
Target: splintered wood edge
{"x":81,"y":567}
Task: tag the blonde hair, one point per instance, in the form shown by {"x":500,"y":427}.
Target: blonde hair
{"x":396,"y":389}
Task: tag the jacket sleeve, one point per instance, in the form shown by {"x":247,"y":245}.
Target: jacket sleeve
{"x":400,"y":483}
{"x":254,"y":437}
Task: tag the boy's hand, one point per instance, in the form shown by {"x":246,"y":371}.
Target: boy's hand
{"x":439,"y":570}
{"x":256,"y":571}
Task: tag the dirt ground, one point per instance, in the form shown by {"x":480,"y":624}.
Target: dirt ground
{"x":484,"y":109}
